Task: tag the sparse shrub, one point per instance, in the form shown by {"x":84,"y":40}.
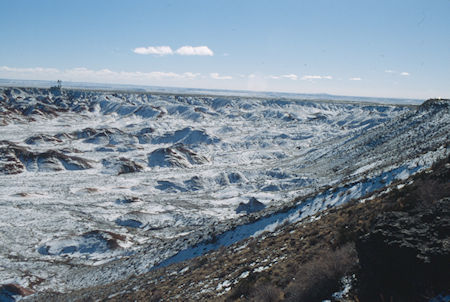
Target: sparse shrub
{"x":243,"y":288}
{"x":156,"y":296}
{"x":202,"y":261}
{"x":319,"y":278}
{"x":267,"y":293}
{"x":431,"y":190}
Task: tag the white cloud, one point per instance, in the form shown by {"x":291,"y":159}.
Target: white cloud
{"x":284,"y":76}
{"x":403,"y":73}
{"x":316,"y":77}
{"x":83,"y":74}
{"x":355,"y":79}
{"x":290,"y":76}
{"x":167,"y":50}
{"x":154,"y":50}
{"x":28,"y":70}
{"x":216,"y":76}
{"x":194,"y":51}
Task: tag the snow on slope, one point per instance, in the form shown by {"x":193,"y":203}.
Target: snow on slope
{"x":124,"y":181}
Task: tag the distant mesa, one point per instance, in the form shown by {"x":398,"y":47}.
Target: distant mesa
{"x":252,"y":206}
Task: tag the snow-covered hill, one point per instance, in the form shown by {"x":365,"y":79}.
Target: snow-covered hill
{"x":96,"y":186}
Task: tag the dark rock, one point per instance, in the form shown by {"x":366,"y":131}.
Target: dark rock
{"x":9,"y":162}
{"x":129,"y":166}
{"x":9,"y":292}
{"x":147,"y":130}
{"x":253,"y":205}
{"x":42,"y":138}
{"x":235,"y":177}
{"x":406,"y":254}
{"x":131,"y":223}
{"x":175,"y":156}
{"x":122,"y":165}
{"x":169,"y":187}
{"x":194,"y":184}
{"x":126,"y":200}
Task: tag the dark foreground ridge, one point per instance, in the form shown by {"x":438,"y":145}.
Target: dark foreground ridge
{"x":402,"y":244}
{"x":406,"y":253}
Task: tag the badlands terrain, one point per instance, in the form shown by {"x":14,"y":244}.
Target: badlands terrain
{"x":100,"y":186}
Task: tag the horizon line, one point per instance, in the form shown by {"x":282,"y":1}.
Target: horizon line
{"x":76,"y":84}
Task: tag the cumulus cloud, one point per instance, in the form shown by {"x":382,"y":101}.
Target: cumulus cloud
{"x":355,"y":79}
{"x":404,"y":73}
{"x":389,"y":71}
{"x":284,"y":76}
{"x":167,"y":50}
{"x":194,"y":51}
{"x":316,"y":77}
{"x":217,"y":76}
{"x":154,"y":50}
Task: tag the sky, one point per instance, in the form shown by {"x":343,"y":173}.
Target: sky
{"x":381,"y":48}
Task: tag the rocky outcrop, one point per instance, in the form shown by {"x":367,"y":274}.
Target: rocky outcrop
{"x":122,"y":165}
{"x":16,"y":159}
{"x":9,"y":292}
{"x":187,"y":136}
{"x":92,"y":242}
{"x":434,"y":104}
{"x":253,"y":205}
{"x":128,"y":199}
{"x":405,"y":255}
{"x":175,"y":156}
{"x":9,"y":162}
{"x":42,"y":138}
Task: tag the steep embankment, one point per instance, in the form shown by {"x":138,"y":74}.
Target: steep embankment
{"x":308,"y":259}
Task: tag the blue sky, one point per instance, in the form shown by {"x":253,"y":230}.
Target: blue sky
{"x":367,"y":48}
